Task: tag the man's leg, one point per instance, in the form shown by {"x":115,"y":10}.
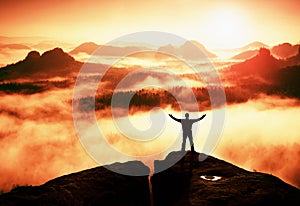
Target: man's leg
{"x":183,"y":142}
{"x":190,"y":136}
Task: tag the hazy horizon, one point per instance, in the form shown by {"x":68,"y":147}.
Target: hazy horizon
{"x":216,"y":24}
{"x":38,"y":137}
{"x":11,"y":55}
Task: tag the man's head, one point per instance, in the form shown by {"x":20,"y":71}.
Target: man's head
{"x":187,"y":115}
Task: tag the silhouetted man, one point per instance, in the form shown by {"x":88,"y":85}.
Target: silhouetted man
{"x":187,"y":129}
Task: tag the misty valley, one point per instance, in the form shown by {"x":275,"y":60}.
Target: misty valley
{"x":37,"y":133}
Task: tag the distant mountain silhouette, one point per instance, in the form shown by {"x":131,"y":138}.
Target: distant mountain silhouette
{"x":187,"y":50}
{"x":241,"y":53}
{"x":90,"y":48}
{"x":48,"y":45}
{"x":281,"y":51}
{"x":132,"y":43}
{"x":188,"y":182}
{"x":53,"y":63}
{"x":245,"y":55}
{"x":262,"y":64}
{"x":14,"y":46}
{"x":184,"y":50}
{"x":167,"y":48}
{"x":254,"y":45}
{"x":266,"y":74}
{"x":285,"y":50}
{"x":251,"y":46}
{"x":265,"y":64}
{"x":35,"y":42}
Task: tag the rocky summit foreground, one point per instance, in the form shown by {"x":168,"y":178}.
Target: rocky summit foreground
{"x":216,"y":182}
{"x":97,"y":186}
{"x":188,"y":182}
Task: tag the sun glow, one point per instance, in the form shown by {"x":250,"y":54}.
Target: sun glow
{"x":228,"y":27}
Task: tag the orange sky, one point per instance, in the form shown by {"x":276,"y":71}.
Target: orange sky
{"x":215,"y":23}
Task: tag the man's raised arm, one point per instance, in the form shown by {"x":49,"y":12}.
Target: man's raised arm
{"x":178,"y":120}
{"x":196,"y":120}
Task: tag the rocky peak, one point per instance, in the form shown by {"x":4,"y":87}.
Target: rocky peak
{"x":179,"y":179}
{"x":264,"y":53}
{"x":96,"y":186}
{"x":32,"y":55}
{"x":216,"y":182}
{"x":57,"y":56}
{"x":52,"y":63}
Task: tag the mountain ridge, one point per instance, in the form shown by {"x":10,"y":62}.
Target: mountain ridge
{"x":285,"y":50}
{"x":188,"y":50}
{"x":182,"y":50}
{"x":186,"y":181}
{"x":108,"y":50}
{"x":50,"y":64}
{"x":245,"y":55}
{"x":281,"y":51}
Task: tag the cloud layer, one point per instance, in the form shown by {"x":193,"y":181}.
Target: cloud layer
{"x":263,"y":135}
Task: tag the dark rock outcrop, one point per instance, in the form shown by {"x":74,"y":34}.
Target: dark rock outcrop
{"x":193,"y":182}
{"x":31,"y":56}
{"x":287,"y":81}
{"x":52,"y":63}
{"x":97,"y":186}
{"x":187,"y":182}
{"x":261,"y":65}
